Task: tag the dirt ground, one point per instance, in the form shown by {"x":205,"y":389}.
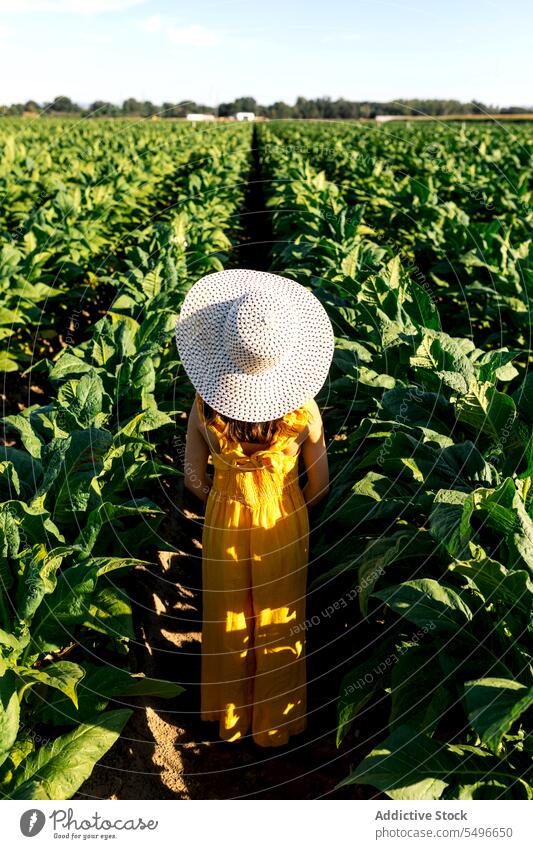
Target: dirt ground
{"x":167,"y":752}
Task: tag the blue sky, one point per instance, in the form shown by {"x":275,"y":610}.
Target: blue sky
{"x":273,"y":50}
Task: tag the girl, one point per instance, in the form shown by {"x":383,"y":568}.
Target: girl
{"x":257,"y":348}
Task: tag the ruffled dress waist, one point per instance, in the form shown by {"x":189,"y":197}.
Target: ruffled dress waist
{"x":254,"y":479}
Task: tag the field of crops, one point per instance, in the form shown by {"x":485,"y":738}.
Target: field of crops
{"x":417,"y":239}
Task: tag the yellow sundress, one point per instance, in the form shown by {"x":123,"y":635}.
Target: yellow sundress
{"x":254,"y":568}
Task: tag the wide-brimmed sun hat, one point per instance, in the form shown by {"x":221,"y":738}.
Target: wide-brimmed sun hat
{"x":255,"y":345}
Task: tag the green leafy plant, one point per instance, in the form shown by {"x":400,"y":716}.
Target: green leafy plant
{"x":431,"y":468}
{"x":76,"y":473}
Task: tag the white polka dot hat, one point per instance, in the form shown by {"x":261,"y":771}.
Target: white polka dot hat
{"x":255,"y":345}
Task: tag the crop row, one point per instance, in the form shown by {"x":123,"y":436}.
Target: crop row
{"x":454,"y":204}
{"x":77,"y":198}
{"x":76,"y":510}
{"x":428,"y":527}
{"x":431,"y":481}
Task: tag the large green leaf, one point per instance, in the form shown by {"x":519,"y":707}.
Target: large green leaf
{"x":497,"y":585}
{"x":61,"y":675}
{"x":503,"y":509}
{"x":402,"y":455}
{"x":487,"y":411}
{"x":65,"y":609}
{"x":11,"y":317}
{"x":489,"y":789}
{"x":523,"y":398}
{"x":110,"y":613}
{"x":150,"y":419}
{"x":57,"y":770}
{"x":427,"y":410}
{"x":422,"y":309}
{"x":9,"y":710}
{"x":397,"y":549}
{"x":109,"y":513}
{"x":69,"y":366}
{"x":33,"y":524}
{"x":419,"y":694}
{"x":497,"y":365}
{"x":71,"y":465}
{"x":9,"y":545}
{"x":28,"y":469}
{"x":493,"y":705}
{"x":407,"y":765}
{"x":84,"y":399}
{"x":463,"y":466}
{"x":442,"y":362}
{"x":70,"y":603}
{"x":113,"y":340}
{"x":8,"y":362}
{"x":29,"y":438}
{"x":39,"y":579}
{"x":428,"y":604}
{"x":100,"y":684}
{"x":373,"y":500}
{"x":411,"y":765}
{"x":449,"y":521}
{"x":9,"y":480}
{"x":360,"y":683}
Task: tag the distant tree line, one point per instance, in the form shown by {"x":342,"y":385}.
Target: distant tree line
{"x":325,"y":107}
{"x":320,"y":107}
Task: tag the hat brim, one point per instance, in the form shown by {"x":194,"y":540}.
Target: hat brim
{"x":235,"y":393}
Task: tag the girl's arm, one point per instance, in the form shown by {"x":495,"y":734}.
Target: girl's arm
{"x":315,"y":458}
{"x":196,"y":456}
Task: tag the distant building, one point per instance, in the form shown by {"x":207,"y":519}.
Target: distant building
{"x":199,"y":116}
{"x":245,"y":116}
{"x":382,"y":118}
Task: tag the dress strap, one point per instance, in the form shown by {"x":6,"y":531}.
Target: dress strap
{"x":290,"y":426}
{"x":200,"y":408}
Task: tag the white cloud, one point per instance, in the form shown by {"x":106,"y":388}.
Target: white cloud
{"x":5,"y":32}
{"x":96,"y":38}
{"x":152,"y":24}
{"x":338,"y":37}
{"x":195,"y":35}
{"x":74,"y":7}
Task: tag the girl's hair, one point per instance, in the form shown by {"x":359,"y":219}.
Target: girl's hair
{"x":238,"y":431}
